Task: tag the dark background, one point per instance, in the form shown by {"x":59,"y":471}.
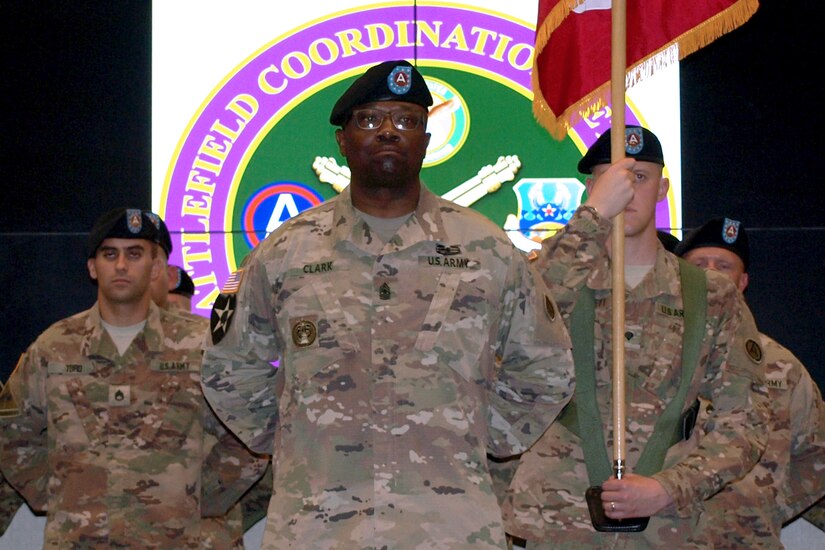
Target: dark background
{"x":76,"y":89}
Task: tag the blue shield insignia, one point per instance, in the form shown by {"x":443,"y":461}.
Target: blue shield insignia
{"x":544,"y":206}
{"x":730,"y":230}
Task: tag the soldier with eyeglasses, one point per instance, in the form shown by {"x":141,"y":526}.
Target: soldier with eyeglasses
{"x":413,"y":339}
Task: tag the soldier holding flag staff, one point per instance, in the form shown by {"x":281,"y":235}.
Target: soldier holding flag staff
{"x":677,"y":349}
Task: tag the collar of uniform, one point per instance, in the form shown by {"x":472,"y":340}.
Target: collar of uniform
{"x":91,"y":341}
{"x":152,"y":331}
{"x":424,"y":225}
{"x":662,"y":280}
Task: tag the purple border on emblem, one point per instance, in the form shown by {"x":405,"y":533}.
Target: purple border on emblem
{"x":200,"y":186}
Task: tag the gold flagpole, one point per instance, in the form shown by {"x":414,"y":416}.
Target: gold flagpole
{"x":618,"y":65}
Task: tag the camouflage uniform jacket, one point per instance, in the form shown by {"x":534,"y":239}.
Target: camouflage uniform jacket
{"x":111,"y":446}
{"x":10,"y":502}
{"x":402,"y":364}
{"x":546,"y":497}
{"x":789,"y":477}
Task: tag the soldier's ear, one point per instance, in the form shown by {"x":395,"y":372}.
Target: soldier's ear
{"x":90,"y":265}
{"x":743,"y":282}
{"x":664,"y":185}
{"x":341,"y":139}
{"x":171,"y":276}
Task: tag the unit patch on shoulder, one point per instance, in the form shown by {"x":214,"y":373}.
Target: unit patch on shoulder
{"x":754,"y":350}
{"x":222,"y":313}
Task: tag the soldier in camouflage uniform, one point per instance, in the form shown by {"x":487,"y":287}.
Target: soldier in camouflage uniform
{"x":172,"y":289}
{"x":104,"y":425}
{"x":413,"y":339}
{"x":171,"y":284}
{"x":790,"y":476}
{"x":10,"y":500}
{"x":545,"y":504}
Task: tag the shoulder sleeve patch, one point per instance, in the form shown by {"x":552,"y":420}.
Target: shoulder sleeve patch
{"x":222,"y":313}
{"x":233,"y":283}
{"x":754,"y":350}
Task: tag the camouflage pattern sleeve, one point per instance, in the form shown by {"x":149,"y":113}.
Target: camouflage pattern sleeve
{"x":574,"y":255}
{"x":535,"y":368}
{"x":238,"y":375}
{"x":735,"y":432}
{"x":806,"y":481}
{"x":24,"y":449}
{"x":816,"y":514}
{"x":255,"y":502}
{"x":10,"y":501}
{"x":229,"y":467}
{"x":749,"y":512}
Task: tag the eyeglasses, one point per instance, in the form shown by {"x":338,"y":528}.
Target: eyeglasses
{"x":372,"y":119}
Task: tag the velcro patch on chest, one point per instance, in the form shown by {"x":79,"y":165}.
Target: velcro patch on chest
{"x":669,"y":311}
{"x":449,"y":262}
{"x":171,"y":366}
{"x":71,"y":369}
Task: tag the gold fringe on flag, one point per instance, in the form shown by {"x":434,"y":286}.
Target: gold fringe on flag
{"x":558,"y":125}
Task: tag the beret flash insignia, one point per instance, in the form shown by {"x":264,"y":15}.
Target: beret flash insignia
{"x":399,"y":80}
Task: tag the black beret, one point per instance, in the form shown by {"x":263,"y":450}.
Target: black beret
{"x":640,"y":144}
{"x":668,"y":240}
{"x":123,"y":223}
{"x":164,"y":238}
{"x":184,"y":284}
{"x":718,"y":233}
{"x":389,"y":81}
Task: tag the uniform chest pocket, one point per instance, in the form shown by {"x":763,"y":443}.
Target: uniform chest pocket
{"x":317,"y":333}
{"x":77,"y":405}
{"x":168,"y":405}
{"x":457,"y":322}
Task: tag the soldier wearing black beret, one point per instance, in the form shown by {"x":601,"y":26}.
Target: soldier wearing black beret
{"x":123,"y":223}
{"x":640,"y":144}
{"x":566,"y":474}
{"x":103,"y":417}
{"x":788,"y":478}
{"x":721,"y":232}
{"x":182,"y":289}
{"x":388,"y":81}
{"x":396,"y":307}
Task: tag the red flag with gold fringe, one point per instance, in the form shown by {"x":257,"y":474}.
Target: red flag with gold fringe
{"x":571,"y":67}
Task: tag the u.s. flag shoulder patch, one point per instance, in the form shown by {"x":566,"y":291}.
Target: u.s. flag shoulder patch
{"x":233,"y":283}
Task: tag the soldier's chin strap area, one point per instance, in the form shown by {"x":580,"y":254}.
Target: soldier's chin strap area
{"x":581,"y":416}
